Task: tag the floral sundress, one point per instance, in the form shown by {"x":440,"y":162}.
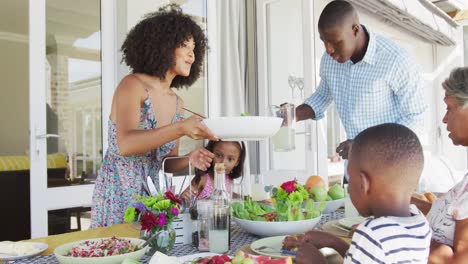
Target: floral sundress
{"x":121,"y":177}
{"x":447,"y":209}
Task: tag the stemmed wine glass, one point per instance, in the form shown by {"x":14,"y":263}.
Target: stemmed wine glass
{"x":292,"y":84}
{"x":300,"y":85}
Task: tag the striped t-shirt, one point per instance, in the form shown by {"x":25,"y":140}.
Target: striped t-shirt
{"x":391,"y":240}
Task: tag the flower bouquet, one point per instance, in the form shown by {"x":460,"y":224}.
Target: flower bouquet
{"x":155,"y":214}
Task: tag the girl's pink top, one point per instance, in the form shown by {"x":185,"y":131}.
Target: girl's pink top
{"x":209,"y":187}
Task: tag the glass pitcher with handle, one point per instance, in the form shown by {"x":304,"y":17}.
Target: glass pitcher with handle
{"x":285,"y":138}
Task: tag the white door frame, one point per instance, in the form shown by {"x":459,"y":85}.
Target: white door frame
{"x":44,"y":199}
{"x":315,"y":153}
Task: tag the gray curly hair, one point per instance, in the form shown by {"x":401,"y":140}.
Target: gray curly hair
{"x":456,"y":85}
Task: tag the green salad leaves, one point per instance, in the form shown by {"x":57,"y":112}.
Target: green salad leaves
{"x":288,"y":210}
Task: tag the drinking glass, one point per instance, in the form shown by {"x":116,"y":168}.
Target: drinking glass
{"x":258,"y":187}
{"x":237,"y":192}
{"x":203,"y":215}
{"x":219,"y":229}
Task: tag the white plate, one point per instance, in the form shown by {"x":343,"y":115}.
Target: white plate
{"x":276,"y":242}
{"x":41,"y":247}
{"x":264,"y":229}
{"x":156,"y":260}
{"x":195,"y":256}
{"x":348,"y":222}
{"x":244,"y":128}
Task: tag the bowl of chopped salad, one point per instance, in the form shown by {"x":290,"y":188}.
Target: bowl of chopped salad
{"x":107,"y":250}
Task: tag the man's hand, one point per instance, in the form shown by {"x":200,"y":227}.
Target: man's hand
{"x":307,"y":253}
{"x":343,"y":148}
{"x":304,"y":112}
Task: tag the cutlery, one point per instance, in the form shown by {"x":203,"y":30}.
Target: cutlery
{"x":342,"y":228}
{"x":193,"y":112}
{"x":267,"y":249}
{"x":145,"y":186}
{"x":151,"y":186}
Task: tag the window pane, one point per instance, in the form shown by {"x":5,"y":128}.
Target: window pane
{"x":73,"y":91}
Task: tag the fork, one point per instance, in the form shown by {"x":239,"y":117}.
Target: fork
{"x":195,"y":113}
{"x":274,"y":250}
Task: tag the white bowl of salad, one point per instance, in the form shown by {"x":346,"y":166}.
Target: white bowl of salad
{"x":267,"y":229}
{"x":283,"y":219}
{"x":244,"y":128}
{"x":109,"y":250}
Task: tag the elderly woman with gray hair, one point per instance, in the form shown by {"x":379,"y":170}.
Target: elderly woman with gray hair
{"x":448,"y":215}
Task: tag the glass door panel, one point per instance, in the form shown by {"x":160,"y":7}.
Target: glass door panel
{"x":65,"y":111}
{"x":282,"y":66}
{"x":73,"y":54}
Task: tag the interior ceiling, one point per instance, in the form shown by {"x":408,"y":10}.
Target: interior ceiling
{"x":67,"y":19}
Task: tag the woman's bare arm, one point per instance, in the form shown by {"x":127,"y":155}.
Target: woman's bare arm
{"x":441,"y":253}
{"x":133,"y":141}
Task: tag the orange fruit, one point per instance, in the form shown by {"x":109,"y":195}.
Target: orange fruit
{"x":313,"y":181}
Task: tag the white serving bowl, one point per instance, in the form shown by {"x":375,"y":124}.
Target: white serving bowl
{"x":264,"y":229}
{"x":331,"y":206}
{"x":62,"y":251}
{"x":244,"y":128}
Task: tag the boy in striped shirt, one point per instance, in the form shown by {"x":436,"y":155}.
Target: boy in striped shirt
{"x":385,"y":164}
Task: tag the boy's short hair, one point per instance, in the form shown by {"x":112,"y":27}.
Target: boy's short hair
{"x":391,"y":145}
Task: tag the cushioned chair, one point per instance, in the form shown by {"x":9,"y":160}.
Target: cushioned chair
{"x":15,"y":193}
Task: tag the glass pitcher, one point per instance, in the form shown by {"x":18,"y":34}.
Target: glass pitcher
{"x":285,"y":138}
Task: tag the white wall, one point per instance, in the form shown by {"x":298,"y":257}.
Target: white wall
{"x":14,"y":98}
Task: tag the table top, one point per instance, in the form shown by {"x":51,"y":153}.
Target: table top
{"x":239,"y":239}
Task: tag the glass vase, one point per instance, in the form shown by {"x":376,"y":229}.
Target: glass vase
{"x":162,"y":239}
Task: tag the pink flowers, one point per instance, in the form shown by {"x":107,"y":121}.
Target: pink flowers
{"x":175,"y":211}
{"x":289,"y":186}
{"x":154,"y":213}
{"x":148,"y":221}
{"x":161,"y":220}
{"x":172,"y":197}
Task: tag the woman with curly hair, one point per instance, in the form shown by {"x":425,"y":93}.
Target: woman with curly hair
{"x":165,"y":50}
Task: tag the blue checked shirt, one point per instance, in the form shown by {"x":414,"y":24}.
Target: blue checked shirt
{"x":384,"y":87}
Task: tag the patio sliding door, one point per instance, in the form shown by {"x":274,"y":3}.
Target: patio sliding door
{"x":286,"y":73}
{"x":65,"y":89}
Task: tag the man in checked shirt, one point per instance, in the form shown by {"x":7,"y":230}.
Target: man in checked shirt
{"x":370,"y":78}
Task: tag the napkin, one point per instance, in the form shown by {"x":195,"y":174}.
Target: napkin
{"x":17,"y":248}
{"x":159,"y":257}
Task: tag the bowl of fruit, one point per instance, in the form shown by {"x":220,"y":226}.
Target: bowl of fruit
{"x":333,"y":197}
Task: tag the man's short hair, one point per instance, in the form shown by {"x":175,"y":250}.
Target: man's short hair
{"x":335,"y":13}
